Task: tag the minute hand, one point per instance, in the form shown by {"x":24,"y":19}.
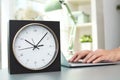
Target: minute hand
{"x":41,"y":39}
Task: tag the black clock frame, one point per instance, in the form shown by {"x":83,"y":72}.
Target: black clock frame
{"x":13,"y":65}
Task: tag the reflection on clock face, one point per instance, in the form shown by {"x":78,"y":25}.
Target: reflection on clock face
{"x":35,"y":46}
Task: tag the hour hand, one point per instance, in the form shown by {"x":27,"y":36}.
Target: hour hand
{"x":40,"y":45}
{"x":29,"y":42}
{"x":34,"y":46}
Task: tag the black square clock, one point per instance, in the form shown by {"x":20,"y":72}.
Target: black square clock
{"x":34,"y":46}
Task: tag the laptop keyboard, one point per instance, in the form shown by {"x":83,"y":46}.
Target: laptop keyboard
{"x":81,"y":61}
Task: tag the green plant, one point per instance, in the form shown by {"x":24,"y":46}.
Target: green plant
{"x":86,"y":38}
{"x":118,"y":7}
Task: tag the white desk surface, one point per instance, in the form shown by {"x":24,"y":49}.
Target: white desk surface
{"x":111,"y":72}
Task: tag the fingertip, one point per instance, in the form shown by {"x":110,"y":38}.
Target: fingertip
{"x":88,"y":61}
{"x":70,"y":60}
{"x":83,"y":61}
{"x":76,"y":60}
{"x":94,"y":62}
{"x":97,"y":60}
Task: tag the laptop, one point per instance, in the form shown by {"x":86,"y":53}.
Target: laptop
{"x":65,"y":63}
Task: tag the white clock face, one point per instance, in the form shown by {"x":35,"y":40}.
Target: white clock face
{"x":35,"y":46}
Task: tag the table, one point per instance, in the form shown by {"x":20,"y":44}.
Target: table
{"x":111,"y":72}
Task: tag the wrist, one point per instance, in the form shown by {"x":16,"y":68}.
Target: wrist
{"x":117,"y":53}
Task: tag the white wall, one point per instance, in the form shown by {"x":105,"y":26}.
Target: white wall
{"x":4,"y":31}
{"x":112,"y":23}
{"x":0,"y":36}
{"x":97,"y":24}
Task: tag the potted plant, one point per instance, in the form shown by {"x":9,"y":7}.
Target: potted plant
{"x":86,"y":42}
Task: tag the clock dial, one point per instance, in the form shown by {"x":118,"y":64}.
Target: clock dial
{"x":35,"y":46}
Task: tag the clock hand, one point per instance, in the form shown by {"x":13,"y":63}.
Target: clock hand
{"x":26,"y":48}
{"x":34,"y":46}
{"x":40,"y":45}
{"x":30,"y":47}
{"x":29,"y":42}
{"x":37,"y":46}
{"x":40,"y":41}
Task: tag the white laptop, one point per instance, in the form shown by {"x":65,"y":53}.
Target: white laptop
{"x":64,"y":62}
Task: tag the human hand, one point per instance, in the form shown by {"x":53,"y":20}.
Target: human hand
{"x":96,"y":56}
{"x":79,"y":55}
{"x":101,"y":55}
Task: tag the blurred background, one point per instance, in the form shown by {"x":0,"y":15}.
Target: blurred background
{"x":84,"y":24}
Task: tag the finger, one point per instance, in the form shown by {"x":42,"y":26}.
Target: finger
{"x":87,"y":57}
{"x":74,"y":56}
{"x":93,"y":57}
{"x":80,"y":56}
{"x":98,"y":59}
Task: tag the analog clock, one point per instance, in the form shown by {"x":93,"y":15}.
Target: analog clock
{"x":35,"y":45}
